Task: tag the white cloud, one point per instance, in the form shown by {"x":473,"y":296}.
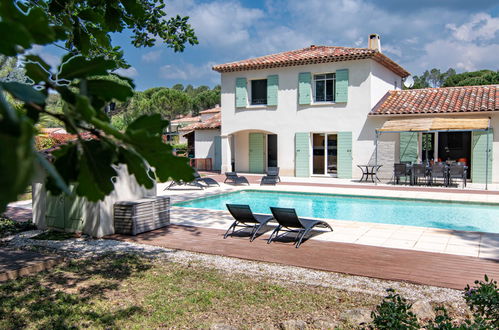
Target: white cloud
{"x":481,"y":27}
{"x":189,"y":72}
{"x":131,"y":72}
{"x":48,"y":57}
{"x":152,"y":56}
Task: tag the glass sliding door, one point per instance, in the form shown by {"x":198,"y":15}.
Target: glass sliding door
{"x":332,"y":154}
{"x":324,"y":154}
{"x":318,"y":153}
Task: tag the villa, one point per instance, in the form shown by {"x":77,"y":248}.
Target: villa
{"x":321,"y":111}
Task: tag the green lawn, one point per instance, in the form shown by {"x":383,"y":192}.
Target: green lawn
{"x":133,"y":292}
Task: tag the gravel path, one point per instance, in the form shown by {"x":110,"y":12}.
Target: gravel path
{"x":87,"y":247}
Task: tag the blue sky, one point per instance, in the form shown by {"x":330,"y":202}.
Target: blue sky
{"x":419,"y":35}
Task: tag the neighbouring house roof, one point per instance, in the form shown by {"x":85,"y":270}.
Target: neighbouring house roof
{"x":186,"y":119}
{"x":52,"y":130}
{"x":216,"y":109}
{"x":312,"y":55}
{"x":213,"y":122}
{"x":465,"y":99}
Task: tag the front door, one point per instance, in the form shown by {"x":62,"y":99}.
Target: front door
{"x":256,"y":152}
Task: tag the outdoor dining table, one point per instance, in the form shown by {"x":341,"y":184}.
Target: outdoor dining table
{"x":369,"y":171}
{"x":428,"y":173}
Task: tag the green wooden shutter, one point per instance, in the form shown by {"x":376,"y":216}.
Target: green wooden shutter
{"x":272,"y":88}
{"x":304,"y":87}
{"x":341,"y":93}
{"x":345,"y":155}
{"x":479,"y":151}
{"x":217,"y":162}
{"x":74,"y":208}
{"x":409,"y":147}
{"x":241,"y":93}
{"x":302,"y":154}
{"x":256,"y":155}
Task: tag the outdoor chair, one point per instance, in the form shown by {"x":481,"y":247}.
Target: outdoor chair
{"x":438,"y":171}
{"x":245,"y":218}
{"x":287,"y":218}
{"x":207,"y":181}
{"x":184,"y":183}
{"x":457,"y":171}
{"x":272,"y":176}
{"x":418,"y":172}
{"x":233,"y":178}
{"x":401,"y":170}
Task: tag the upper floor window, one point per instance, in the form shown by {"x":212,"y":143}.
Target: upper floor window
{"x":324,"y":87}
{"x":259,"y":91}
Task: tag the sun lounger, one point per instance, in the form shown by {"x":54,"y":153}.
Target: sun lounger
{"x":207,"y":181}
{"x":287,"y":218}
{"x":245,"y":218}
{"x":272,"y":176}
{"x":233,"y":178}
{"x":180,"y":183}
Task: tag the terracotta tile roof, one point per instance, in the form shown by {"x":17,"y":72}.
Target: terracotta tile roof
{"x":312,"y":55}
{"x":216,"y":109}
{"x":186,"y":119}
{"x":468,"y":99}
{"x":213,"y":122}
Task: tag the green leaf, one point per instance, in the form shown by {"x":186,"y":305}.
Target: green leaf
{"x":136,"y":166}
{"x":79,"y":67}
{"x":13,"y":35}
{"x":38,"y":26}
{"x":151,"y":124}
{"x":57,"y":179}
{"x":83,"y":107}
{"x":96,"y":171}
{"x":24,"y":92}
{"x":108,"y":90}
{"x":16,"y":159}
{"x":37,"y":69}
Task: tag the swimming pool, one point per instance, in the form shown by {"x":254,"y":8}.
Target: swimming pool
{"x":435,"y":214}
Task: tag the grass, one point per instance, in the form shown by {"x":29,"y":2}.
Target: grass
{"x":10,"y":227}
{"x":127,"y":291}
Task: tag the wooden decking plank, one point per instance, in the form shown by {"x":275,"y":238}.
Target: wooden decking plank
{"x":428,"y":268}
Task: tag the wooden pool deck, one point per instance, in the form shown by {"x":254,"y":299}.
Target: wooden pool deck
{"x":428,"y":268}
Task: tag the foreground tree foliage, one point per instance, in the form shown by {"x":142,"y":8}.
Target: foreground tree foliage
{"x":83,"y":83}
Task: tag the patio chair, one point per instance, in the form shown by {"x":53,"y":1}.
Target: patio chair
{"x":233,"y":178}
{"x":287,"y":218}
{"x":419,"y":171}
{"x":438,"y":171}
{"x":245,"y":218}
{"x":272,"y":176}
{"x":458,"y":171}
{"x":184,"y":183}
{"x":401,"y":170}
{"x":207,"y":181}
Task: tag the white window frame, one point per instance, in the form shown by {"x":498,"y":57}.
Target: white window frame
{"x":314,"y":99}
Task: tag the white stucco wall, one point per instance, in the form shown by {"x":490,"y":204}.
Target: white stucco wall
{"x":288,"y":117}
{"x":204,"y":146}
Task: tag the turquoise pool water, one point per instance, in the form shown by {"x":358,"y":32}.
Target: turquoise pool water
{"x":446,"y":215}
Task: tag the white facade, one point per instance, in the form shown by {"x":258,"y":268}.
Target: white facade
{"x":204,"y":143}
{"x":368,"y":82}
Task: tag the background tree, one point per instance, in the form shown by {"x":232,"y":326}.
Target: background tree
{"x":169,"y":103}
{"x":84,"y":28}
{"x":432,"y":78}
{"x":482,"y":77}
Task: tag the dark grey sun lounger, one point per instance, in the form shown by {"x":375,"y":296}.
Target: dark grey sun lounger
{"x":272,"y":176}
{"x":287,"y":218}
{"x":207,"y":181}
{"x":232,"y":177}
{"x":184,"y":183}
{"x":245,"y":218}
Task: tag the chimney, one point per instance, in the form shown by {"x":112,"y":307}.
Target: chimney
{"x":374,"y":42}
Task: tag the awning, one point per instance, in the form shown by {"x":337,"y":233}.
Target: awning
{"x":184,"y":133}
{"x":435,"y":124}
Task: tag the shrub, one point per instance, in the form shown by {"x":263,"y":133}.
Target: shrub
{"x":394,"y":313}
{"x":483,"y":300}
